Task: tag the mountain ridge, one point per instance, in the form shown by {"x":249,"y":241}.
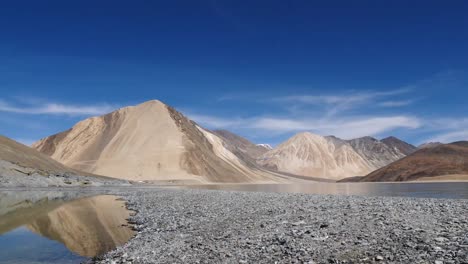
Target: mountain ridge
{"x":330,"y":157}
{"x":427,"y":163}
{"x":150,"y":142}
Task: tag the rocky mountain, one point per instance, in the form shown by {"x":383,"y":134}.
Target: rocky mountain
{"x":399,"y":145}
{"x":375,"y":152}
{"x":329,"y":157}
{"x":445,"y":161}
{"x":241,"y":144}
{"x":265,"y":146}
{"x":150,"y":142}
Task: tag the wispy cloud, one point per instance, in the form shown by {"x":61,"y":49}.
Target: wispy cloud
{"x":447,"y":130}
{"x":334,"y":104}
{"x":55,"y":108}
{"x":449,"y":137}
{"x":345,"y":127}
{"x":217,"y":122}
{"x":325,"y":114}
{"x":347,"y":98}
{"x":395,"y":103}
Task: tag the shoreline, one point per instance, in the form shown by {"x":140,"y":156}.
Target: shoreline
{"x":208,"y":226}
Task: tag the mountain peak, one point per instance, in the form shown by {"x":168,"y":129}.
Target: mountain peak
{"x":307,"y":136}
{"x":151,"y":103}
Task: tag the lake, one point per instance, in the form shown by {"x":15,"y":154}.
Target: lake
{"x":449,"y":190}
{"x":60,"y":227}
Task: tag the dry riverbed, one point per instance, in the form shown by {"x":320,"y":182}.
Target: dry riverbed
{"x":199,"y":226}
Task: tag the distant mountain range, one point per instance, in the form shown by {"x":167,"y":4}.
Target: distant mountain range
{"x":449,"y":161}
{"x":156,"y":143}
{"x":333,"y":158}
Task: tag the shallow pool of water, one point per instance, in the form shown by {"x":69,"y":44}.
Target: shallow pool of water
{"x":449,"y":190}
{"x":60,"y":227}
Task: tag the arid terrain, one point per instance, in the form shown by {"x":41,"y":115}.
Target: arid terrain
{"x":441,"y":162}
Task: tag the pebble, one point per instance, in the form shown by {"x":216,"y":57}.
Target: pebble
{"x":255,"y":227}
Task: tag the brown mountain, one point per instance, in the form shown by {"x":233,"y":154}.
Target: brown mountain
{"x":399,"y":145}
{"x":150,"y":142}
{"x":449,"y":161}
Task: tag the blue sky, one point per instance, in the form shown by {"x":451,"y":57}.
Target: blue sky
{"x":263,"y":69}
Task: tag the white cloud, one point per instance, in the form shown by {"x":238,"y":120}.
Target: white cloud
{"x":395,"y":103}
{"x":335,"y":104}
{"x":344,"y":98}
{"x":55,"y":109}
{"x":449,"y":137}
{"x":448,"y":130}
{"x":347,"y":128}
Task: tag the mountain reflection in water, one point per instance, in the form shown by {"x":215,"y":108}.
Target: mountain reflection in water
{"x":87,"y":226}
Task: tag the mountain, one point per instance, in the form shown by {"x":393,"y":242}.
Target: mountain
{"x":399,"y":145}
{"x":429,"y":145}
{"x":375,"y":152}
{"x":21,"y":165}
{"x":329,"y":157}
{"x":150,"y":142}
{"x":24,"y":156}
{"x":445,"y":161}
{"x":316,"y":156}
{"x":241,"y":144}
{"x":265,"y":146}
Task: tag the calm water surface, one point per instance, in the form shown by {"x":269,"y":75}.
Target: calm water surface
{"x":59,"y":227}
{"x":450,"y":190}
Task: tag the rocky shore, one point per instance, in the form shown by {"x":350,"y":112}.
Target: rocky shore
{"x":199,"y":226}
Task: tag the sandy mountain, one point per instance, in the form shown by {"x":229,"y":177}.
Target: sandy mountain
{"x":316,"y":156}
{"x":22,"y":166}
{"x":152,"y":142}
{"x":399,"y":145}
{"x":329,"y":157}
{"x":241,"y":144}
{"x":450,"y":160}
{"x":24,"y":156}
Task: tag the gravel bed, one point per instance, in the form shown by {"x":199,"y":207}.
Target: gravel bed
{"x":200,"y":226}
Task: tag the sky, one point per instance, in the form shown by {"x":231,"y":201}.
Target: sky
{"x":262,"y":69}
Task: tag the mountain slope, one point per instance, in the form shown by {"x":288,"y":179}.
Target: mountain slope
{"x":152,"y":142}
{"x":331,"y":157}
{"x":241,"y":144}
{"x":316,"y":156}
{"x":447,"y":159}
{"x":19,"y":154}
{"x":375,"y":152}
{"x":429,"y":145}
{"x":22,"y":166}
{"x":399,"y":145}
